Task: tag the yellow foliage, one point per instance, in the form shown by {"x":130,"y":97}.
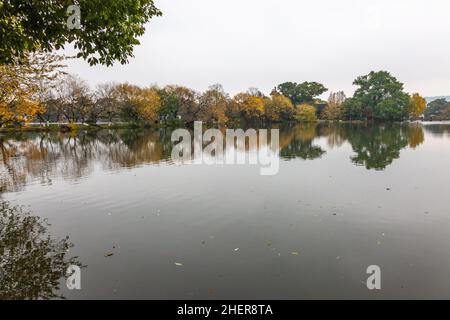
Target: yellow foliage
{"x":19,"y":112}
{"x":416,"y":136}
{"x":334,"y":109}
{"x":148,"y":104}
{"x":278,"y":108}
{"x":417,"y":105}
{"x":251,"y":107}
{"x":20,"y":85}
{"x":305,"y":113}
{"x":213,"y":105}
{"x":140,"y":105}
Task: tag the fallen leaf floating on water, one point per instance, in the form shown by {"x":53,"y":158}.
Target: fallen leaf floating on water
{"x":109,"y":255}
{"x":178,"y":264}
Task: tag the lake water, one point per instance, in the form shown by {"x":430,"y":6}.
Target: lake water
{"x":143,"y":226}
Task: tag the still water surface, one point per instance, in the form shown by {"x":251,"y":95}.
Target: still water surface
{"x":346,"y":197}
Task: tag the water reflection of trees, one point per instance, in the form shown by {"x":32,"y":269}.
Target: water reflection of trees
{"x":333,"y":134}
{"x":438,"y":130}
{"x":32,"y":262}
{"x":42,"y":156}
{"x":297,"y":142}
{"x":376,"y":147}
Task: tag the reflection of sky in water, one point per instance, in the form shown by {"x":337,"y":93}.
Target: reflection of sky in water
{"x":32,"y":158}
{"x":366,"y":194}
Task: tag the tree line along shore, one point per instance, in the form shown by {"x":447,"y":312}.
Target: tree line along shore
{"x":37,"y":89}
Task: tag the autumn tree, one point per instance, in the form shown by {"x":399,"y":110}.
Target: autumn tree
{"x":21,"y":86}
{"x":250,"y":107}
{"x":417,"y":106}
{"x":148,"y":105}
{"x":187,"y":106}
{"x":255,"y":92}
{"x":138,"y":105}
{"x":278,"y":108}
{"x":213,"y":105}
{"x":106,"y":103}
{"x":334,"y":109}
{"x":75,"y":97}
{"x":107,"y":33}
{"x":305,"y":113}
{"x":52,"y":109}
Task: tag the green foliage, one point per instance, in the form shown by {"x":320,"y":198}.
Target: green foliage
{"x":301,"y":143}
{"x":32,"y":262}
{"x":392,"y":109}
{"x":301,"y":93}
{"x":169,"y":104}
{"x":379,"y":96}
{"x":108,"y":33}
{"x":376,"y":146}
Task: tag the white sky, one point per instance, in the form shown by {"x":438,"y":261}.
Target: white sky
{"x":261,"y":43}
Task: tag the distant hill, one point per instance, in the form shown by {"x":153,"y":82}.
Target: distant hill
{"x":430,"y":99}
{"x":438,"y":109}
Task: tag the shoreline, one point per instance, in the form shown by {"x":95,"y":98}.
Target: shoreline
{"x":64,"y":128}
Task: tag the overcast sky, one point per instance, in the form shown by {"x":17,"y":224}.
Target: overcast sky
{"x":260,"y":43}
